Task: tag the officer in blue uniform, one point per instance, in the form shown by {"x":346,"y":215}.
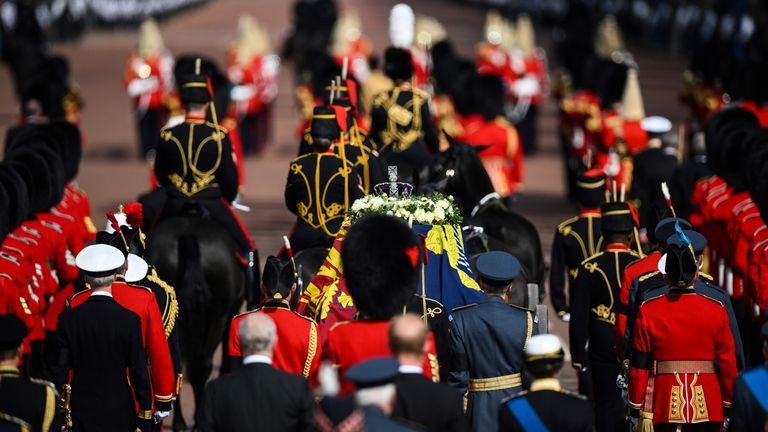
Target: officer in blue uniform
{"x":375,"y":395}
{"x":749,"y":409}
{"x":545,"y":406}
{"x":487,"y":341}
{"x":654,"y":285}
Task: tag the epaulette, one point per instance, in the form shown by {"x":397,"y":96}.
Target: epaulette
{"x":466,"y":306}
{"x":380,"y":98}
{"x":706,"y":276}
{"x":304,"y":317}
{"x":564,"y":224}
{"x":520,"y":307}
{"x":647,"y":276}
{"x":592,"y":257}
{"x":165,"y":133}
{"x":45,"y":383}
{"x":171,"y":311}
{"x":246,"y":313}
{"x":79,"y":293}
{"x":574,"y":394}
{"x":419,"y":92}
{"x":217,"y":127}
{"x":339,"y":324}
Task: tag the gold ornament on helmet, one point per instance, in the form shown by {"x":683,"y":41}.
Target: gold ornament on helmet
{"x":525,"y":35}
{"x":428,"y":31}
{"x":252,"y":40}
{"x":494,"y":28}
{"x":150,"y":40}
{"x":609,"y":39}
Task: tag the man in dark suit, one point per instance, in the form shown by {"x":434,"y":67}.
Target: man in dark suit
{"x":545,"y":403}
{"x":29,"y":401}
{"x":431,"y":406}
{"x":99,"y":340}
{"x":257,"y":396}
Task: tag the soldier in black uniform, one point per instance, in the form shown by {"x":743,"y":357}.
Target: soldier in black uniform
{"x":99,"y":340}
{"x":359,"y":150}
{"x":401,"y":123}
{"x":576,"y":239}
{"x":545,"y":403}
{"x":30,"y":401}
{"x":320,"y":186}
{"x":593,"y":314}
{"x":487,"y":340}
{"x":195,"y":164}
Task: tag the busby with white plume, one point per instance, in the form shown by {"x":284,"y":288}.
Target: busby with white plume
{"x":402,"y":23}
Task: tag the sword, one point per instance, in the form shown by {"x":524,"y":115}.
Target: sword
{"x":65,"y":406}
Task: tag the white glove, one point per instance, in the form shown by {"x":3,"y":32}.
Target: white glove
{"x":140,"y":86}
{"x":241,"y":93}
{"x":526,"y":87}
{"x":566,"y":317}
{"x":161,"y":415}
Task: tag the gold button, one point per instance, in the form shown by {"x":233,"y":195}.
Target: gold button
{"x":674,"y":399}
{"x":701,"y":404}
{"x":674,"y":393}
{"x":701,"y":398}
{"x":698,"y":392}
{"x":701,"y":410}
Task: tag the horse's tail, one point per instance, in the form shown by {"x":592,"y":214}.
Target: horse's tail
{"x":192,"y":286}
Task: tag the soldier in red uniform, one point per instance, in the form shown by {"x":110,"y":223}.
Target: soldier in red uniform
{"x":142,"y":302}
{"x":382,"y":266}
{"x":502,"y":156}
{"x":148,"y":81}
{"x":298,"y":350}
{"x":678,"y":338}
{"x":252,"y":68}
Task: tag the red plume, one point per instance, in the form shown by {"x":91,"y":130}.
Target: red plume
{"x":134,"y":214}
{"x":113,"y":221}
{"x":413,"y":255}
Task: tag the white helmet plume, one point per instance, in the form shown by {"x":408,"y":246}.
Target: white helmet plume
{"x":401,"y":26}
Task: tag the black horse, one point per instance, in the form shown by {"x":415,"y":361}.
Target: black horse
{"x":489,"y":224}
{"x":198,"y":256}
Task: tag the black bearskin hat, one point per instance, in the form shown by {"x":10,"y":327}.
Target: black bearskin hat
{"x":381,"y":257}
{"x":398,"y":64}
{"x":126,"y":237}
{"x":4,"y":204}
{"x":33,"y":168}
{"x":18,"y":195}
{"x":719,"y":126}
{"x":278,"y":278}
{"x":489,"y":96}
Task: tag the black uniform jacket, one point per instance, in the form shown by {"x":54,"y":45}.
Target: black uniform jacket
{"x":257,"y":397}
{"x":557,"y":409}
{"x":575,"y":240}
{"x":194,"y":159}
{"x":30,"y":400}
{"x":401,"y":125}
{"x":315,"y":192}
{"x":594,"y":302}
{"x":427,"y":405}
{"x":99,"y":340}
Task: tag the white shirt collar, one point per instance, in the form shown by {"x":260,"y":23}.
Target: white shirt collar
{"x":408,"y":369}
{"x":256,"y":358}
{"x":101,"y":293}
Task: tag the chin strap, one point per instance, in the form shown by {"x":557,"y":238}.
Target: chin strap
{"x":483,"y":200}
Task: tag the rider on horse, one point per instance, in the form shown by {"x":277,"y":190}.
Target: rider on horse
{"x":321,"y":186}
{"x":195,"y":164}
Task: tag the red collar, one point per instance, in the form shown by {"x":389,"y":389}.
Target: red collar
{"x":589,"y":212}
{"x":193,"y":119}
{"x":616,"y":247}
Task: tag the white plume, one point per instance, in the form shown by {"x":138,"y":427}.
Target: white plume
{"x":401,"y":26}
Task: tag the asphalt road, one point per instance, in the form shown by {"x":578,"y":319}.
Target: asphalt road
{"x":112,"y":173}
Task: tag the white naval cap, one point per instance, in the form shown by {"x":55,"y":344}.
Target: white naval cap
{"x":100,"y":260}
{"x":541,"y":345}
{"x":656,"y":124}
{"x":137,"y":268}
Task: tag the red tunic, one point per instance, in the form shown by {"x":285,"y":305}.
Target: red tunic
{"x":142,"y":302}
{"x":351,"y":342}
{"x":157,"y":68}
{"x":503,"y":159}
{"x":259,"y":77}
{"x":684,"y":327}
{"x":633,"y":271}
{"x":297,"y":350}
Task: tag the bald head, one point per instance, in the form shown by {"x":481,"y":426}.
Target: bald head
{"x":257,"y":335}
{"x":408,"y":336}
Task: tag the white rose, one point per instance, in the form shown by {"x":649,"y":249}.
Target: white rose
{"x":444,"y":204}
{"x":439,"y":214}
{"x":419,"y":214}
{"x":428,"y":218}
